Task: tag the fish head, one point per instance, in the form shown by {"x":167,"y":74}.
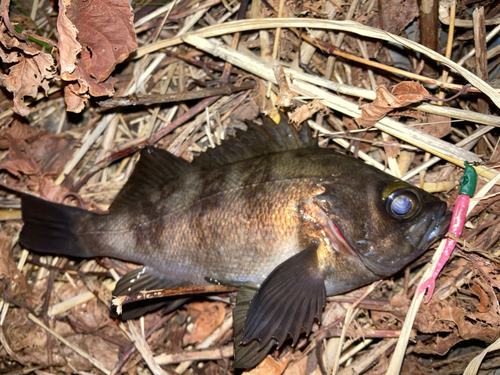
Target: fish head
{"x":387,"y":222}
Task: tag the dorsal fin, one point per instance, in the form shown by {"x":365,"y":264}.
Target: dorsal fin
{"x":156,"y":166}
{"x":258,"y":141}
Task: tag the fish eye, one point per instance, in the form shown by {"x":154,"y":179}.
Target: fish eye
{"x":403,"y":204}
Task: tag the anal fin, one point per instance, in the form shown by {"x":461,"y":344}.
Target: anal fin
{"x":141,"y":279}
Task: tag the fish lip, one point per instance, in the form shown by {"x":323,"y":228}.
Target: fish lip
{"x":438,"y":229}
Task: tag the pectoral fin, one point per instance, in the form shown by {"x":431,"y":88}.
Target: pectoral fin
{"x":289,"y":299}
{"x":250,"y":355}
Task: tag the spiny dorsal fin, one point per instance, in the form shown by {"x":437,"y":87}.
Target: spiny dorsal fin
{"x":156,"y":166}
{"x":257,"y":141}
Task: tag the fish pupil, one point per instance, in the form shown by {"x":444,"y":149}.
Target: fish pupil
{"x":401,"y":205}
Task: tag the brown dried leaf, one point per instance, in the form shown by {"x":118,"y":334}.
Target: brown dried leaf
{"x":74,"y":103}
{"x":484,"y":300}
{"x":436,"y":125}
{"x":33,"y":68}
{"x":46,"y":155}
{"x":51,"y":192}
{"x":403,"y":94}
{"x":106,"y":29}
{"x":306,"y":111}
{"x":246,"y":111}
{"x":297,"y":368}
{"x":381,"y":367}
{"x":68,"y":46}
{"x":207,"y":316}
{"x":480,"y":326}
{"x":17,"y":287}
{"x":286,"y":95}
{"x":438,"y":345}
{"x":7,"y":265}
{"x":10,"y":41}
{"x":18,"y":131}
{"x":19,"y":161}
{"x":395,"y":15}
{"x":25,"y":77}
{"x":51,"y":153}
{"x":491,"y":271}
{"x":96,"y":36}
{"x":22,"y":333}
{"x":409,"y":92}
{"x":103,"y":351}
{"x":391,"y":147}
{"x":269,"y":366}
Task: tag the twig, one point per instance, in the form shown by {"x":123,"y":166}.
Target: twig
{"x":143,"y":348}
{"x":138,"y":99}
{"x":195,"y":355}
{"x":77,"y":350}
{"x":214,"y":337}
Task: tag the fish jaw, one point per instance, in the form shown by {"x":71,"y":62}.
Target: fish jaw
{"x":439,"y":228}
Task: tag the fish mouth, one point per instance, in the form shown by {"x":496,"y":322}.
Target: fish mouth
{"x":438,"y":229}
{"x":339,"y":242}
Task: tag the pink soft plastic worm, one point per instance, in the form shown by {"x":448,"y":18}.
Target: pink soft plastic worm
{"x":456,"y":227}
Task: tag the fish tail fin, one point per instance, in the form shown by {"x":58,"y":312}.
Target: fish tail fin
{"x":51,"y":227}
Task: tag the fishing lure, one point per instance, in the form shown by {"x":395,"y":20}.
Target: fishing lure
{"x":467,"y":187}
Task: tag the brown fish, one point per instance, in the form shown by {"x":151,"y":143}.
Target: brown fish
{"x":265,"y":208}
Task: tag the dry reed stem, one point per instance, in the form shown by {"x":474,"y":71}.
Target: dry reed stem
{"x":210,"y":340}
{"x":143,"y":348}
{"x":438,"y":147}
{"x":348,"y":26}
{"x":195,"y":355}
{"x":77,"y":350}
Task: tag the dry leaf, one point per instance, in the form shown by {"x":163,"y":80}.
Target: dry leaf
{"x":51,"y":153}
{"x":391,"y":147}
{"x":51,"y":192}
{"x":436,"y":125}
{"x":7,"y":264}
{"x":297,"y":368}
{"x":306,"y":111}
{"x":286,"y":95}
{"x":17,"y":131}
{"x":484,"y":300}
{"x":269,"y":366}
{"x":403,"y":94}
{"x":18,"y":286}
{"x":68,"y":46}
{"x":207,"y":316}
{"x":32,"y":70}
{"x":19,"y":161}
{"x":96,"y":36}
{"x":395,"y":15}
{"x":439,"y":345}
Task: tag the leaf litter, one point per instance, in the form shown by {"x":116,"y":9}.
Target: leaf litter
{"x":109,"y":48}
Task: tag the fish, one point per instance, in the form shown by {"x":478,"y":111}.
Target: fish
{"x":268,"y":210}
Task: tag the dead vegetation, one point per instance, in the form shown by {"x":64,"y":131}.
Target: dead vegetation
{"x":349,"y":69}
